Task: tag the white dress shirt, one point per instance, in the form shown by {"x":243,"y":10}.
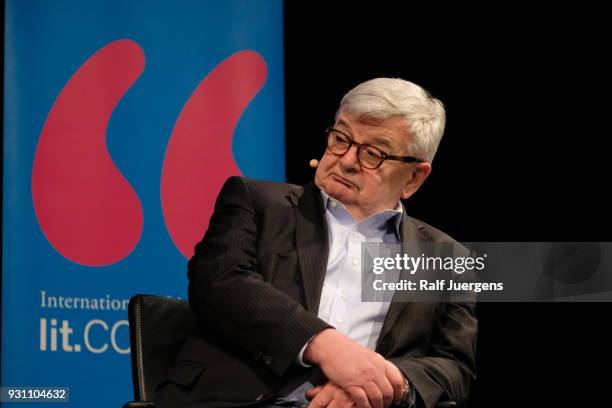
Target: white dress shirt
{"x":341,"y":304}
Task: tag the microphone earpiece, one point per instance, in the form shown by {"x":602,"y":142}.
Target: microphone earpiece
{"x":314,"y":163}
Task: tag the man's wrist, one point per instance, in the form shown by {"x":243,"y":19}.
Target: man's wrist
{"x":300,"y":357}
{"x":311,"y":353}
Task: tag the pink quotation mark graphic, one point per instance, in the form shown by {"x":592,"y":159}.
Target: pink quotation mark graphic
{"x":199,"y":154}
{"x":86,"y":208}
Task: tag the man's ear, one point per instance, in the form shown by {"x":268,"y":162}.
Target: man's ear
{"x":419,"y":175}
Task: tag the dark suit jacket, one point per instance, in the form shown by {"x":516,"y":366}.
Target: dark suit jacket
{"x":255,"y":283}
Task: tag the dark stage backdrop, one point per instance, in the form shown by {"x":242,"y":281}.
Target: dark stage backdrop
{"x":523,"y":158}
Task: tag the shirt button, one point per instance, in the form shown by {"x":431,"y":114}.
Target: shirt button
{"x":340,"y":320}
{"x":355,"y":262}
{"x":333,"y":204}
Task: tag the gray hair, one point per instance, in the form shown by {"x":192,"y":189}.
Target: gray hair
{"x":383,"y":98}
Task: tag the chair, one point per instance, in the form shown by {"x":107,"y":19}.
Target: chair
{"x":158,"y":328}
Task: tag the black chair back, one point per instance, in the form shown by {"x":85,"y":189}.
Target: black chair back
{"x":159,"y":327}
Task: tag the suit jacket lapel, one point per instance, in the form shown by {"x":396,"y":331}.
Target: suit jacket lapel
{"x":410,"y":242}
{"x":311,"y":241}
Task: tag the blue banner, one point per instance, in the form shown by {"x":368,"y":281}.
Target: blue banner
{"x":121,"y":122}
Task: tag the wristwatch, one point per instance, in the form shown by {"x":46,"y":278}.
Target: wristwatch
{"x":406,"y":400}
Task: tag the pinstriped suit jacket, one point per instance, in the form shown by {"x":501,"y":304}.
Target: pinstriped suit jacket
{"x":255,"y":283}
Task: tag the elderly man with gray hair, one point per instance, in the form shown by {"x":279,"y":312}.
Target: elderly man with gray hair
{"x":276,"y":280}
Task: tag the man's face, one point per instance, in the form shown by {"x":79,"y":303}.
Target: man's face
{"x":363,"y":191}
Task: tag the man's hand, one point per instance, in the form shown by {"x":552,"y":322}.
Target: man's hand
{"x":329,"y":396}
{"x":364,"y":375}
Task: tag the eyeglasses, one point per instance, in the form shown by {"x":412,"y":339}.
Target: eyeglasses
{"x":370,"y":157}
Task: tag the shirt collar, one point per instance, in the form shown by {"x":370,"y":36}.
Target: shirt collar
{"x":378,"y":220}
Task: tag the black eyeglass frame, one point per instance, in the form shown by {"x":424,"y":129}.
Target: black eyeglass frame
{"x":384,"y":156}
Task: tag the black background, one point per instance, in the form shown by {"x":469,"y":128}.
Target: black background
{"x":523,"y":158}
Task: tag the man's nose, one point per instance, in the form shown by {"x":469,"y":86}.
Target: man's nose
{"x":350,"y":160}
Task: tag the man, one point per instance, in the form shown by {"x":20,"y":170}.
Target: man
{"x":276,"y":280}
